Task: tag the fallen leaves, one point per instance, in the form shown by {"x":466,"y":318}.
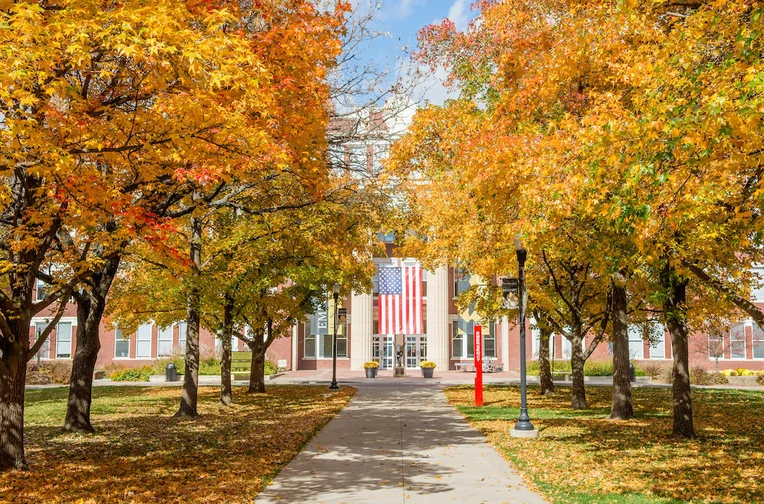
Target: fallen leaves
{"x":141,"y":454}
{"x":582,"y":453}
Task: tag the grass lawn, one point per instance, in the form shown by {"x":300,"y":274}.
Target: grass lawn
{"x":581,"y":457}
{"x":141,"y":454}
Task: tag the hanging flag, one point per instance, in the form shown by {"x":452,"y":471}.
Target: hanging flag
{"x":400,"y":300}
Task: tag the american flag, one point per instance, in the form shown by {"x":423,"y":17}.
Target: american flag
{"x":400,"y":300}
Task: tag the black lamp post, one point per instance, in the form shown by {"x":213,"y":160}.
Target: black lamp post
{"x":334,"y":386}
{"x":524,"y":421}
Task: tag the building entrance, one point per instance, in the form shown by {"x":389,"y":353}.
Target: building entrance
{"x":416,"y":350}
{"x":383,"y":348}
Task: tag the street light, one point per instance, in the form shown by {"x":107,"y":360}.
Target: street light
{"x":336,"y":293}
{"x":523,"y":427}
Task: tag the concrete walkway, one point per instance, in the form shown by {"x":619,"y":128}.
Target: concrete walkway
{"x":398,"y":442}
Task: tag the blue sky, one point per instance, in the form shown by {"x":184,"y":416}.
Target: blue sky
{"x":401,"y":20}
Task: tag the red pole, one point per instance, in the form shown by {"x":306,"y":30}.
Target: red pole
{"x":478,"y":365}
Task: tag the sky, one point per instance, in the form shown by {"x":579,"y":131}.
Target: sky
{"x":401,"y":20}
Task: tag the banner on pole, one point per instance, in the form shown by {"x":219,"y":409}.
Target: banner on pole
{"x":478,"y":335}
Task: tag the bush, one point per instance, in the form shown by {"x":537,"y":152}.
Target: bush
{"x":760,"y":379}
{"x":49,"y":372}
{"x":142,"y":373}
{"x":591,"y":368}
{"x":371,"y":365}
{"x":270,"y":368}
{"x":699,"y":376}
{"x":208,"y":366}
{"x":427,"y":364}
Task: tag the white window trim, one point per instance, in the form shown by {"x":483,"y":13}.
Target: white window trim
{"x":37,"y":290}
{"x":708,"y":349}
{"x":745,"y":346}
{"x":138,"y":340}
{"x":71,"y":335}
{"x":115,"y":346}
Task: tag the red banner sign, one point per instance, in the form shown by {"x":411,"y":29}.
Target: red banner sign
{"x":478,"y":365}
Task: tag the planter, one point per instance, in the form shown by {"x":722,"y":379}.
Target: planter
{"x":427,"y":372}
{"x":742,"y":380}
{"x":371,"y":372}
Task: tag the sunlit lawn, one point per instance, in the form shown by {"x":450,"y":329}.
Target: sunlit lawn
{"x":581,"y":457}
{"x":141,"y":454}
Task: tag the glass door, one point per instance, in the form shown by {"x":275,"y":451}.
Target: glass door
{"x":416,"y":350}
{"x":387,"y":352}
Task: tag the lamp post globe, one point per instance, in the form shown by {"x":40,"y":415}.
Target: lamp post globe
{"x":336,"y":295}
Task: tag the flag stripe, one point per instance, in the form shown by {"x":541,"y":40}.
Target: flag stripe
{"x":400,"y":303}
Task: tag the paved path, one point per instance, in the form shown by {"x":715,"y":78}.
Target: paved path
{"x":398,"y":443}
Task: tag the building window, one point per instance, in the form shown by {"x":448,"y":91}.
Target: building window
{"x":358,"y":161}
{"x":461,"y":281}
{"x":489,"y":340}
{"x":143,"y":342}
{"x":64,"y":340}
{"x":164,"y":341}
{"x":41,"y":291}
{"x":757,"y":292}
{"x":715,"y":346}
{"x":44,"y":351}
{"x":379,"y":154}
{"x":636,"y":347}
{"x":457,"y":341}
{"x":657,"y":340}
{"x":182,"y":333}
{"x":463,"y":339}
{"x":758,"y":342}
{"x":323,"y":344}
{"x":121,"y":345}
{"x":737,"y":341}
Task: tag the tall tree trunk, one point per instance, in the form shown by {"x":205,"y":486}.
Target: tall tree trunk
{"x":226,"y":394}
{"x":577,"y":367}
{"x":91,"y":304}
{"x":545,"y":370}
{"x":622,"y":407}
{"x":257,"y":370}
{"x":674,"y":310}
{"x":188,"y":399}
{"x":13,"y":371}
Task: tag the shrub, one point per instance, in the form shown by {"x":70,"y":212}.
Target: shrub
{"x":427,"y":364}
{"x":208,"y":366}
{"x":49,"y":372}
{"x":699,"y":376}
{"x":371,"y":365}
{"x":142,"y":373}
{"x":270,"y":368}
{"x":760,"y":379}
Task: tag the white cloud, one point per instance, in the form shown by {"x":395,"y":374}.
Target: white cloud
{"x":459,"y":15}
{"x":432,"y":88}
{"x":401,"y":9}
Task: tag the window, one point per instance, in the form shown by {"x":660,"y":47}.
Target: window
{"x":489,"y":340}
{"x":715,"y":346}
{"x":758,"y":342}
{"x":463,"y":339}
{"x":44,"y":351}
{"x":379,"y":154}
{"x":457,"y":341}
{"x":657,"y":340}
{"x":164,"y":341}
{"x":143,"y":342}
{"x":358,"y":161}
{"x":310,"y":346}
{"x":461,"y":281}
{"x":757,"y":293}
{"x":323,"y":343}
{"x":182,"y":331}
{"x":121,"y":345}
{"x":636,"y":347}
{"x":41,"y":293}
{"x":64,"y":340}
{"x":737,"y":341}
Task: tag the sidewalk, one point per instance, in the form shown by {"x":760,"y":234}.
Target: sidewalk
{"x":398,"y":442}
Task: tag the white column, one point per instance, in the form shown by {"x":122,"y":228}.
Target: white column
{"x":361,"y":327}
{"x":295,"y":346}
{"x":505,"y":342}
{"x":437,"y":318}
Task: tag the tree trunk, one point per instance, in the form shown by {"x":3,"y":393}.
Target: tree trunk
{"x":674,"y":312}
{"x":91,"y":305}
{"x":622,"y":407}
{"x":89,"y":313}
{"x":226,"y":394}
{"x":577,"y":367}
{"x":12,"y":381}
{"x":188,"y":399}
{"x":257,"y":370}
{"x":545,"y":370}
